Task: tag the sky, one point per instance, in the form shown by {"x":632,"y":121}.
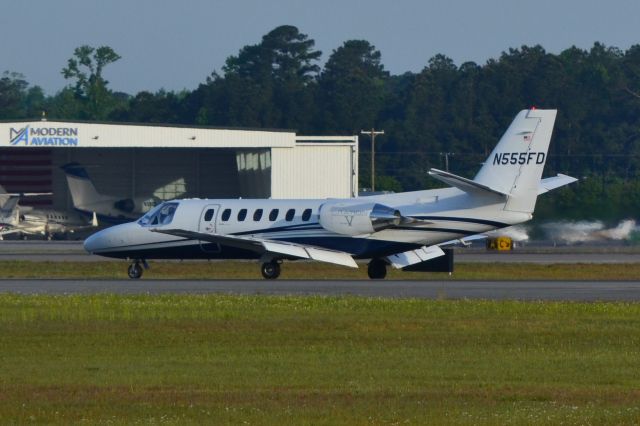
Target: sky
{"x":175,"y":45}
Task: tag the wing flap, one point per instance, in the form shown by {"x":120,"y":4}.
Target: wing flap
{"x":411,"y":257}
{"x":331,"y":256}
{"x":262,"y":246}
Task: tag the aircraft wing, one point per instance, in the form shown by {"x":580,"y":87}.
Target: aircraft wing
{"x":464,"y":241}
{"x":548,"y":184}
{"x":411,"y":257}
{"x":260,"y":245}
{"x":8,"y":231}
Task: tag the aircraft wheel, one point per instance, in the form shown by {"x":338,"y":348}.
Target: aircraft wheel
{"x":135,"y":271}
{"x":377,"y":269}
{"x":270,"y":270}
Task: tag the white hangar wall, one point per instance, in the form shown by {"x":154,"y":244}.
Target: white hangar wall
{"x":316,"y":168}
{"x":174,"y":162}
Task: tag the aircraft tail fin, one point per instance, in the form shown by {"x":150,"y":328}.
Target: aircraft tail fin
{"x":9,"y":213}
{"x":516,"y":163}
{"x":83,"y":191}
{"x":10,"y":205}
{"x":4,"y":197}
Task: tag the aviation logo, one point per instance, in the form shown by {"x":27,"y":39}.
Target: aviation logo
{"x":44,"y":136}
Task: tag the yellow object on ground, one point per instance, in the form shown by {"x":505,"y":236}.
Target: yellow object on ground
{"x":500,"y":244}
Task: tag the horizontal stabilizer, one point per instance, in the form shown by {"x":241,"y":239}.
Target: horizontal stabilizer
{"x":262,"y":246}
{"x":401,"y":260}
{"x":463,"y":184}
{"x":551,"y":183}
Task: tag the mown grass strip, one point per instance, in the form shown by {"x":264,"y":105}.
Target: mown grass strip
{"x":314,"y":270}
{"x":316,"y":360}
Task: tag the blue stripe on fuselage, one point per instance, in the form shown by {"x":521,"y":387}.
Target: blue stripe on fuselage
{"x":358,"y":247}
{"x":463,"y":219}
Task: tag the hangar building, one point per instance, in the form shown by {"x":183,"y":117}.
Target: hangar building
{"x":175,"y":161}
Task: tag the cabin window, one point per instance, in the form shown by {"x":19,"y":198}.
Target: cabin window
{"x":290,"y":214}
{"x":306,"y":215}
{"x":161,"y":215}
{"x":273,"y":215}
{"x":209,"y":215}
{"x":257,"y":215}
{"x":226,"y":214}
{"x":242,"y":214}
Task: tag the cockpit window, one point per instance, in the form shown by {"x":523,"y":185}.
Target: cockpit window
{"x":160,"y":215}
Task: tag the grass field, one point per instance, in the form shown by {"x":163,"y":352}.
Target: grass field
{"x":313,"y":360}
{"x":316,"y":270}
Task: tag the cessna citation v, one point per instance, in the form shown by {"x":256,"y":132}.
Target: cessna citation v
{"x":400,"y":230}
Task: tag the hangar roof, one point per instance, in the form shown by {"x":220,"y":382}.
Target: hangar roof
{"x":79,"y":134}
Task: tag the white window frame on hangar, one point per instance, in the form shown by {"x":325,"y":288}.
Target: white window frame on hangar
{"x":171,"y":161}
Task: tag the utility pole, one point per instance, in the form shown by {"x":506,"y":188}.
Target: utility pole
{"x":446,"y":159}
{"x":372,"y":133}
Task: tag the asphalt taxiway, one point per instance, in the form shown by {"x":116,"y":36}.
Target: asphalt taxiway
{"x":72,"y":251}
{"x":628,"y":291}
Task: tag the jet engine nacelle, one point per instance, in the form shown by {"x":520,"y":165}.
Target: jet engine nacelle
{"x":357,"y":219}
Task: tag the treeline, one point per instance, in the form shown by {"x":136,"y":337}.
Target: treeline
{"x":443,"y":113}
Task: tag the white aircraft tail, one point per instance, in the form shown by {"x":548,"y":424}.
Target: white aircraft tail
{"x":4,"y":196}
{"x":515,"y":166}
{"x":83,"y":192}
{"x":10,"y":213}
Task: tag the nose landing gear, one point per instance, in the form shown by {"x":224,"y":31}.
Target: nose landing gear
{"x":136,"y":269}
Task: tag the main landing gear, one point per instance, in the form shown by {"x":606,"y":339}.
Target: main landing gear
{"x":270,"y":270}
{"x":377,"y":269}
{"x":136,"y":269}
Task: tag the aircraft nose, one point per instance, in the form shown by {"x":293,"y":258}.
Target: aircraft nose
{"x":96,"y":242}
{"x":109,"y":238}
{"x":112,"y":238}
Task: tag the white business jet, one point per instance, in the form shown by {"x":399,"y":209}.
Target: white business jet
{"x":400,"y":230}
{"x":21,"y":220}
{"x":108,"y":208}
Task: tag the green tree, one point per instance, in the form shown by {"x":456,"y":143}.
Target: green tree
{"x":147,"y":107}
{"x":65,"y":105}
{"x":265,"y":84}
{"x":86,"y":68}
{"x":352,"y":87}
{"x":13,"y":92}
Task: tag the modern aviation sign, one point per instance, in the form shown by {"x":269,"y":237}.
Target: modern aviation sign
{"x":44,"y":136}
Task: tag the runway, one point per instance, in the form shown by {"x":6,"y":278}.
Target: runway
{"x":627,"y":291}
{"x":445,"y":289}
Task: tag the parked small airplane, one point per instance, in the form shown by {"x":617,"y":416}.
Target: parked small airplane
{"x":402,"y":230}
{"x":109,"y":208}
{"x":15,"y":219}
